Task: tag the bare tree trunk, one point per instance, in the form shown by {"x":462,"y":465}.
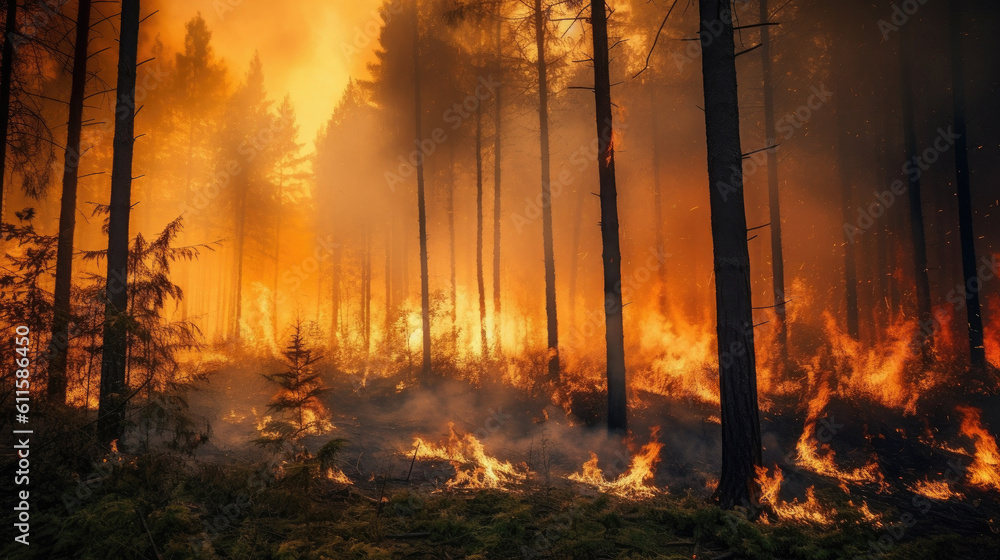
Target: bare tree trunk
{"x":366,"y":289}
{"x":111,"y":414}
{"x":6,"y":77}
{"x":614,"y":328}
{"x":497,"y":160}
{"x":977,"y":353}
{"x":241,"y":227}
{"x":425,"y":305}
{"x":335,"y":325}
{"x":59,"y":346}
{"x":741,"y":445}
{"x":548,"y":245}
{"x":774,"y":200}
{"x":850,"y":242}
{"x":277,"y":257}
{"x":453,"y":262}
{"x":480,"y":279}
{"x":918,"y":239}
{"x":661,"y":248}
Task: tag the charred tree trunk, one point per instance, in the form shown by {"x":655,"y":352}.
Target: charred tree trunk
{"x":452,"y":262}
{"x":741,"y":445}
{"x":111,"y":415}
{"x":277,"y":258}
{"x":925,"y":336}
{"x":59,"y":345}
{"x":977,"y":352}
{"x":850,"y":241}
{"x":661,"y":248}
{"x":335,"y":297}
{"x":6,"y":77}
{"x":774,"y":201}
{"x":612,"y":255}
{"x":497,"y":160}
{"x":425,"y":303}
{"x":366,"y":289}
{"x":480,"y":278}
{"x":241,"y":228}
{"x":547,"y":243}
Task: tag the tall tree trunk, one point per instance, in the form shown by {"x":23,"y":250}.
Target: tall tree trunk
{"x":774,"y":200}
{"x":366,"y":289}
{"x":847,"y":209}
{"x":661,"y":247}
{"x":548,"y":245}
{"x":59,"y":346}
{"x":612,"y":255}
{"x":6,"y":76}
{"x":574,"y":258}
{"x":480,"y":278}
{"x":111,"y":415}
{"x":335,"y":325}
{"x":977,"y":353}
{"x":918,"y":239}
{"x":741,"y":446}
{"x":277,"y":257}
{"x":388,"y":338}
{"x":452,"y":261}
{"x":425,"y":304}
{"x":241,"y":228}
{"x":497,"y":160}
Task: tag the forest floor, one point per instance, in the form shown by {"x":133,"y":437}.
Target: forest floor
{"x":231,"y":499}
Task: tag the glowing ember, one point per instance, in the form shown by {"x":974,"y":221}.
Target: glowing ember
{"x":337,"y":475}
{"x":473,"y":467}
{"x":936,"y":490}
{"x":635,"y":482}
{"x":985,"y":469}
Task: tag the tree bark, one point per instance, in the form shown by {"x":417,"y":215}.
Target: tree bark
{"x":547,"y":242}
{"x":480,"y":278}
{"x":925,"y":337}
{"x":497,"y":122}
{"x":111,"y":413}
{"x":977,"y":352}
{"x":774,"y":201}
{"x":741,"y":445}
{"x":425,"y":305}
{"x":612,"y":255}
{"x":661,"y":247}
{"x":59,"y":347}
{"x":850,"y":243}
{"x":6,"y":77}
{"x":453,"y":262}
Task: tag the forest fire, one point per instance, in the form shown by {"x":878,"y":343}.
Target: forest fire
{"x":255,"y":258}
{"x":635,"y":481}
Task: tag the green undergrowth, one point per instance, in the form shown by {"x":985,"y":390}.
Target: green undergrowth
{"x":158,"y":506}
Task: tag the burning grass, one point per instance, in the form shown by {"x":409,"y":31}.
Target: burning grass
{"x":635,"y":482}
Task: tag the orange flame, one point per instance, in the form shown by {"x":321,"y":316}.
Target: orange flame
{"x":473,"y":467}
{"x":985,"y":469}
{"x":635,"y":481}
